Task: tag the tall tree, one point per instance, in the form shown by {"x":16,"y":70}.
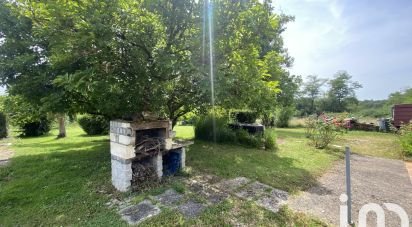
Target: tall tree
{"x":342,"y":91}
{"x":120,"y":58}
{"x":26,"y":68}
{"x":312,"y":89}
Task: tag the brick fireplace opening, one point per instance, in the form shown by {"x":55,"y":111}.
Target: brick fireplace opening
{"x":143,"y":151}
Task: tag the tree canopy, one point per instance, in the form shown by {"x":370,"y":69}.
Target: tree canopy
{"x":341,"y":92}
{"x":121,"y":57}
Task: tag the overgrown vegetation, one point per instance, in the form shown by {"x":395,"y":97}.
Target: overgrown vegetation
{"x":248,"y":117}
{"x":322,"y":131}
{"x":210,"y":128}
{"x":94,"y":124}
{"x":405,"y":135}
{"x":36,"y":128}
{"x":26,"y":116}
{"x":283,"y":116}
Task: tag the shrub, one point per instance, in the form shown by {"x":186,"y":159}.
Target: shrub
{"x":224,"y":134}
{"x":283,"y":116}
{"x":94,"y":124}
{"x":268,"y":120}
{"x":270,"y":141}
{"x":27,"y":116}
{"x":3,"y":125}
{"x":321,"y":131}
{"x":405,"y":133}
{"x":248,"y":140}
{"x":204,"y":130}
{"x":247,"y":117}
{"x":36,"y":128}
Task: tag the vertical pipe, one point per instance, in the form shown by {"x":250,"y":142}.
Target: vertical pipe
{"x":348,"y":184}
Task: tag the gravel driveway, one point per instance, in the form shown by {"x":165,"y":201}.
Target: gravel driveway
{"x":374,"y":180}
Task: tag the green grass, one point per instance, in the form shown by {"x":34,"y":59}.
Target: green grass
{"x":57,"y":182}
{"x":67,"y":181}
{"x":384,"y":145}
{"x":294,"y":167}
{"x":233,"y":212}
{"x":60,"y":182}
{"x":184,"y":132}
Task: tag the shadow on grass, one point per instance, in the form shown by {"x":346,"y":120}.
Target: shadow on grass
{"x":294,"y":133}
{"x":61,"y":187}
{"x":229,"y":161}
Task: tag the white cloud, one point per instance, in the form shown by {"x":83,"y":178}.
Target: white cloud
{"x":373,"y":41}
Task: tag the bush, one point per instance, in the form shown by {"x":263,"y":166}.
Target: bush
{"x":94,"y":124}
{"x":244,"y":117}
{"x":283,"y":116}
{"x":27,"y":116}
{"x":224,"y":134}
{"x":248,"y":140}
{"x":204,"y":130}
{"x":405,"y":133}
{"x":270,"y":141}
{"x":3,"y":125}
{"x":36,"y":128}
{"x":321,"y":131}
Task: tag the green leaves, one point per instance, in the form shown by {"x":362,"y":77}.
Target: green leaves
{"x":121,"y":57}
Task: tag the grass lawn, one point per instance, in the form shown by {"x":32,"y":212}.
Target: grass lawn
{"x":67,"y":181}
{"x":57,"y":182}
{"x":293,"y":167}
{"x":385,"y":145}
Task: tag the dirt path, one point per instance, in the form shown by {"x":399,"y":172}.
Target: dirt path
{"x":374,"y":180}
{"x":5,"y":152}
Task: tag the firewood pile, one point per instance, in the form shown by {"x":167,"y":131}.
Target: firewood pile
{"x":148,"y":147}
{"x":144,"y":176}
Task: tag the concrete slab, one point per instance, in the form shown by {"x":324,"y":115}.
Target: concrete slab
{"x":137,"y":213}
{"x":232,"y":184}
{"x":273,"y":201}
{"x":254,"y":191}
{"x":169,"y":198}
{"x":5,"y":156}
{"x":191,"y":209}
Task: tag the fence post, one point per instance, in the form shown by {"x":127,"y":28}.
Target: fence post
{"x":348,"y":185}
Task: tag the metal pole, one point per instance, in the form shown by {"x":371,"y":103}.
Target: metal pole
{"x":348,"y":185}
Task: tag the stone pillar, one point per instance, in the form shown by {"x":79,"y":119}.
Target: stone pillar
{"x":183,"y":158}
{"x":122,"y":140}
{"x":157,"y":162}
{"x":121,"y":173}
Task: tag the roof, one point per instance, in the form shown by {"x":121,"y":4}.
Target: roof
{"x":403,"y":106}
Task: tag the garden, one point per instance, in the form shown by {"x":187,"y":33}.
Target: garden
{"x":67,"y":181}
{"x":170,"y":113}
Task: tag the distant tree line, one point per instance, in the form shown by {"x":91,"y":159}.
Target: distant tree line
{"x":340,"y":95}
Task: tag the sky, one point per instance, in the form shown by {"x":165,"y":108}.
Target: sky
{"x":371,"y":40}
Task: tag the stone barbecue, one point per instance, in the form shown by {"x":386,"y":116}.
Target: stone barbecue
{"x":142,"y":150}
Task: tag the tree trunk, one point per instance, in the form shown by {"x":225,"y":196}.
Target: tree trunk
{"x":62,"y":126}
{"x":174,"y":122}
